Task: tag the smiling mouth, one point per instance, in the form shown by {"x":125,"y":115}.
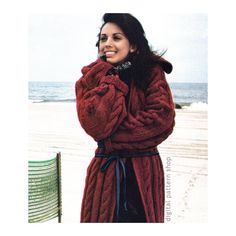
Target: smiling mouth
{"x":109,"y":53}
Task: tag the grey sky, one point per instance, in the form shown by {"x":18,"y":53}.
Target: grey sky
{"x":59,"y":45}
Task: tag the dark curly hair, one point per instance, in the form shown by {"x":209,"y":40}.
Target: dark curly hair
{"x":143,"y":58}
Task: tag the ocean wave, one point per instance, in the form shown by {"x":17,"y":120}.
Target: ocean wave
{"x":51,"y":100}
{"x":34,"y":101}
{"x":197,"y":106}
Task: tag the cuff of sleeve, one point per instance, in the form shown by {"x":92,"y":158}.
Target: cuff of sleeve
{"x":115,"y":80}
{"x":90,"y":83}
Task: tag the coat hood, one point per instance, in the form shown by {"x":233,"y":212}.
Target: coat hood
{"x":166,"y":66}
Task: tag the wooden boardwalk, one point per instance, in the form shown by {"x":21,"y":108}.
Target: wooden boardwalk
{"x":54,"y":127}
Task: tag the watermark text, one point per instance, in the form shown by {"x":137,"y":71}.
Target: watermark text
{"x":168,"y":197}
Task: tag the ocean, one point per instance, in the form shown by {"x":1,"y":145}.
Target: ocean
{"x":188,"y":95}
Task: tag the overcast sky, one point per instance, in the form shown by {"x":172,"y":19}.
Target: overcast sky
{"x":59,"y":44}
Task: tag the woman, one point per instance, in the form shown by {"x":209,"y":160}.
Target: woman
{"x":124,"y":102}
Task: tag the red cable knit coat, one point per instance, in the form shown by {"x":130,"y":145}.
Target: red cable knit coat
{"x":149,"y":119}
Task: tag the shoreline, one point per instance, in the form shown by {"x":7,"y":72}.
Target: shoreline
{"x":199,"y":106}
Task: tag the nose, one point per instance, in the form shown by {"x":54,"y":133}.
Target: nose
{"x":108,"y":42}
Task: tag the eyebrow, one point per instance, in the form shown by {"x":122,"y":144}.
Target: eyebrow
{"x":113,"y":34}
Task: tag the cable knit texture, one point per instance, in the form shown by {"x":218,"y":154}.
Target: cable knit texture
{"x":146,"y":122}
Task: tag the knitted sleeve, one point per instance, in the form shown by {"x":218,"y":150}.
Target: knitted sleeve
{"x":100,"y":100}
{"x":154,"y":122}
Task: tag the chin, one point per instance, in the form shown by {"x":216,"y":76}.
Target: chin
{"x":110,"y":60}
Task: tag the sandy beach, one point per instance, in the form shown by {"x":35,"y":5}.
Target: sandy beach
{"x":54,"y":127}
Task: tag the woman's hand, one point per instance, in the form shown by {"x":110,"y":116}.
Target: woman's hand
{"x":93,"y":72}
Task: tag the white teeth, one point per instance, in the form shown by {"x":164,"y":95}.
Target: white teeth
{"x":109,"y":53}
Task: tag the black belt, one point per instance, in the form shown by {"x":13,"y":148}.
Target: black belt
{"x":116,"y":156}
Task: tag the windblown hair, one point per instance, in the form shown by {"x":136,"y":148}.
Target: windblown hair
{"x":143,"y":58}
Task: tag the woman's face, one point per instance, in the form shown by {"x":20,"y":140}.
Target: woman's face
{"x":113,"y":43}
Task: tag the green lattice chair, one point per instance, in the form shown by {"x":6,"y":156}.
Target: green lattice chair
{"x":44,"y":190}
